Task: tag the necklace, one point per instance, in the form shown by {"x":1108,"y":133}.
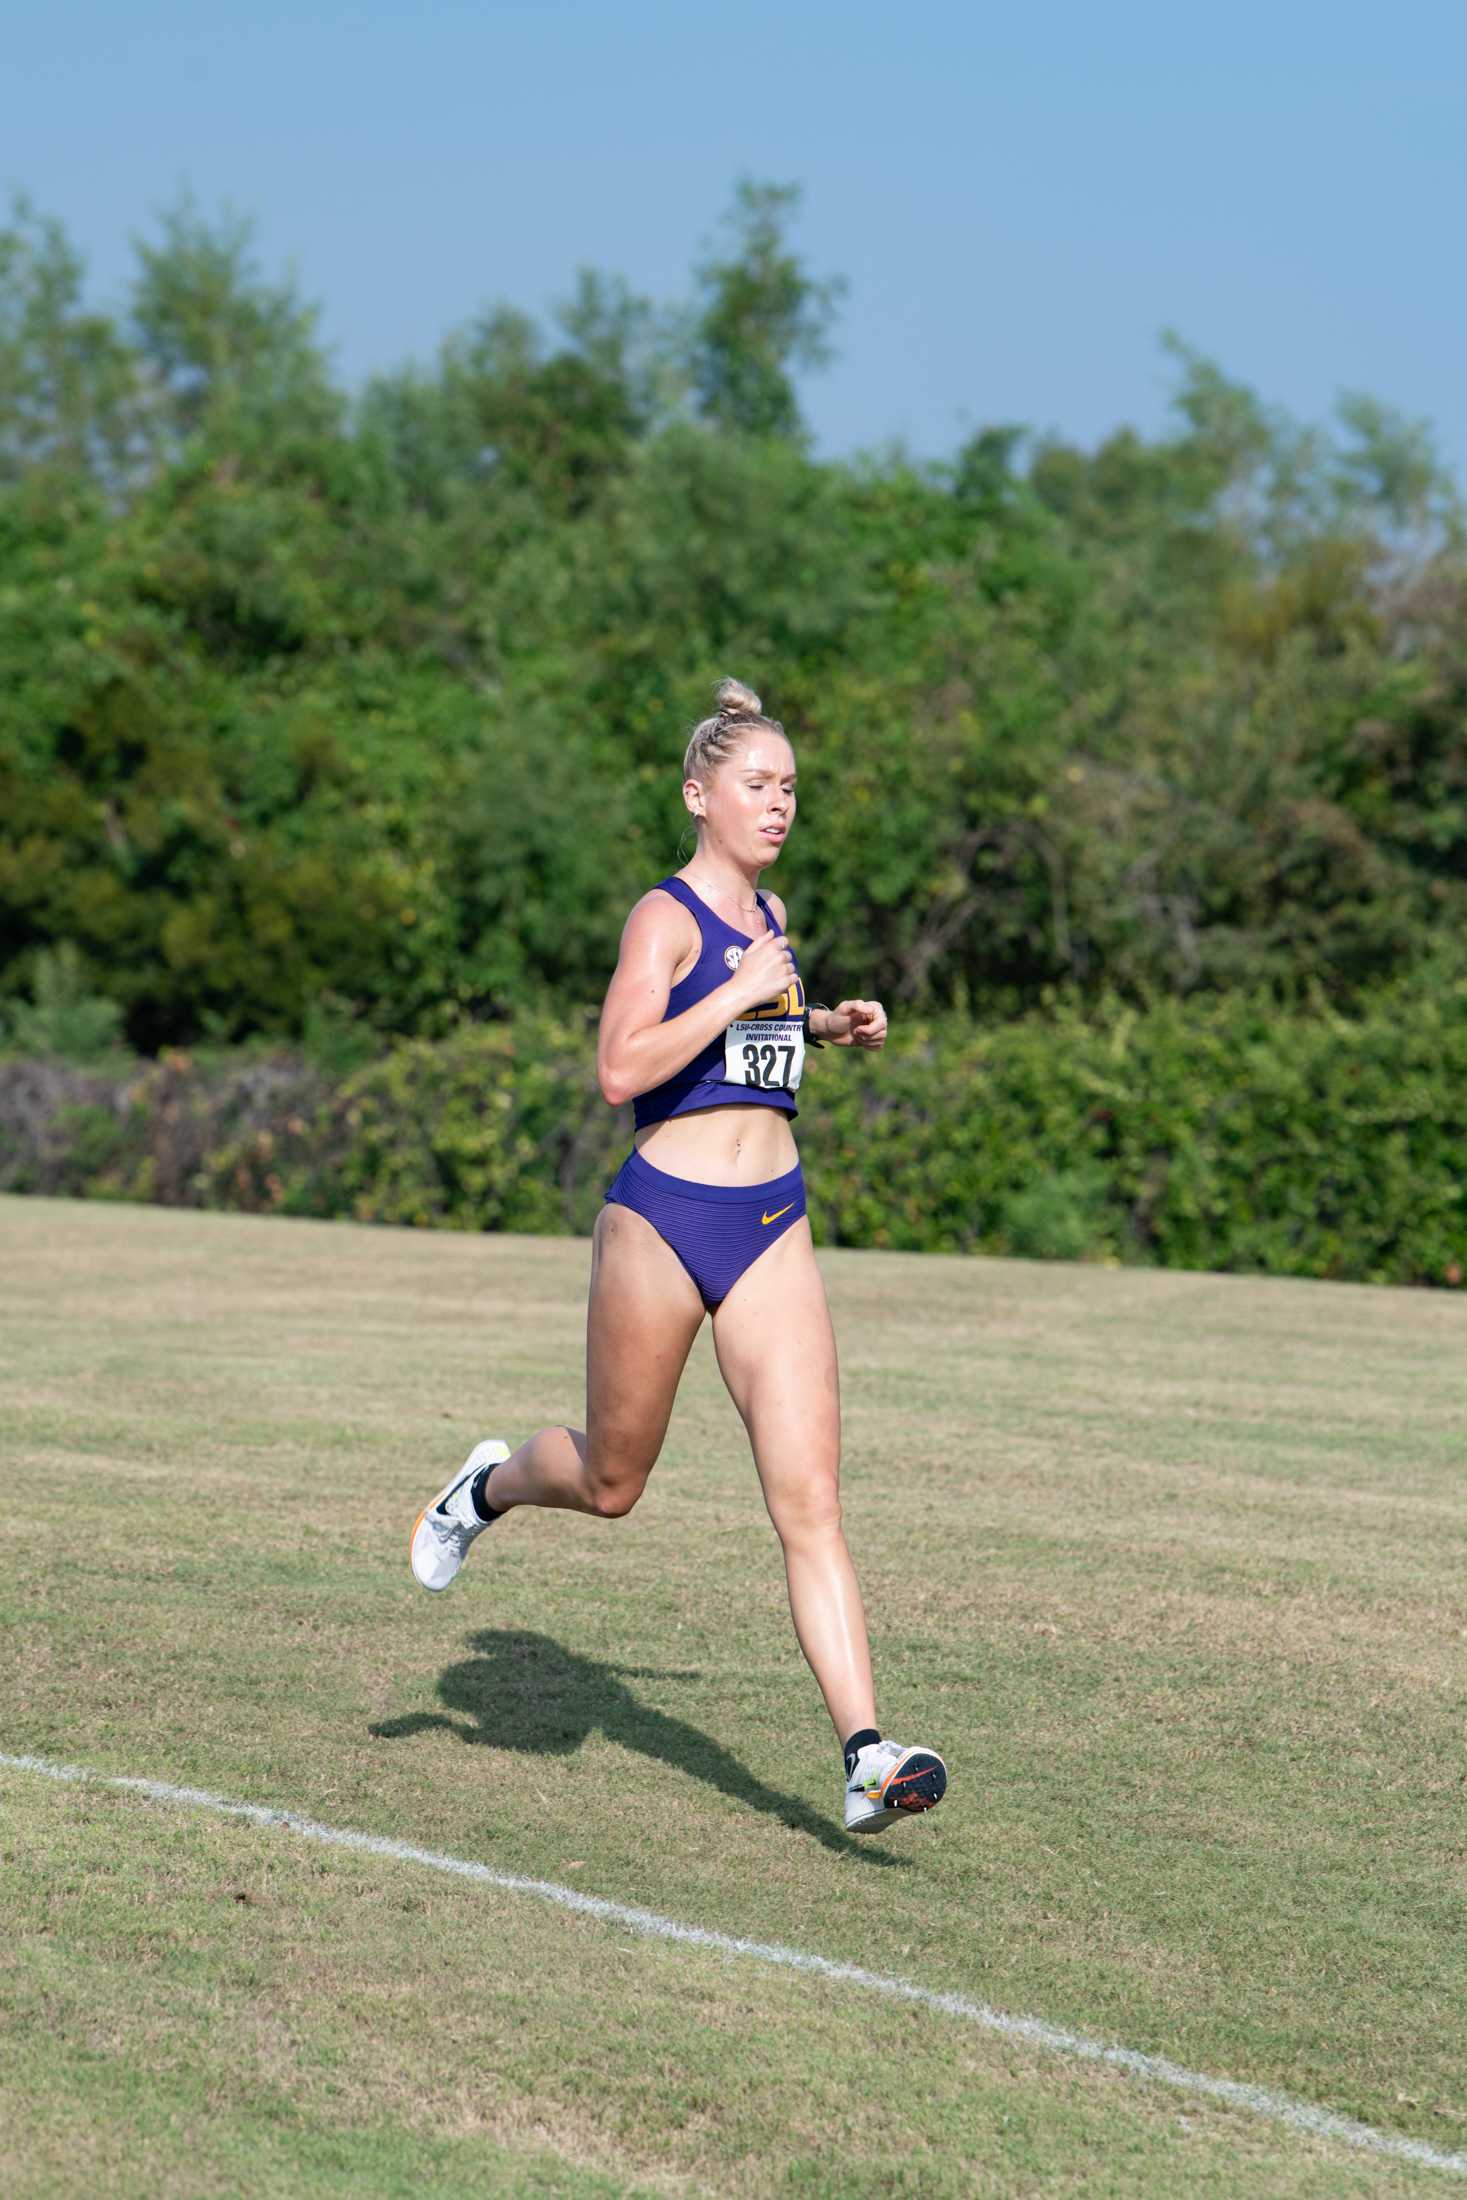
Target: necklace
{"x":727,"y":896}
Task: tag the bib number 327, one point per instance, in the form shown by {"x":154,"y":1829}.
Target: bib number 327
{"x":765,"y":1052}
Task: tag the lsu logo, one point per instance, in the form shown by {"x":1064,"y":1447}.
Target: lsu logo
{"x":790,"y":1003}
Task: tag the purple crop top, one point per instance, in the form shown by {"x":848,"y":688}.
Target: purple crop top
{"x":701,"y":1083}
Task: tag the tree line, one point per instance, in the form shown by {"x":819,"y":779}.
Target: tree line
{"x":365,"y":709}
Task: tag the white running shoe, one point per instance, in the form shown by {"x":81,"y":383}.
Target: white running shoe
{"x":889,"y":1783}
{"x":445,"y":1528}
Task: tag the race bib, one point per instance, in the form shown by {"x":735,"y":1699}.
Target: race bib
{"x":765,"y":1052}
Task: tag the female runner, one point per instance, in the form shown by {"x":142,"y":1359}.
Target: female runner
{"x":704,"y":1029}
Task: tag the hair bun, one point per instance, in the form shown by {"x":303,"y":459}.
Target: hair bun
{"x":740,"y":714}
{"x":737,"y":701}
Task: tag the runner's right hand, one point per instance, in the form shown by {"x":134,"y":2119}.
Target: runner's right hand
{"x":764,"y":973}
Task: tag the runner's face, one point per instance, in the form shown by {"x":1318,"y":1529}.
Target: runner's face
{"x":749,"y":807}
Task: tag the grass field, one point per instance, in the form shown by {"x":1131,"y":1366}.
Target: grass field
{"x":1170,"y":1567}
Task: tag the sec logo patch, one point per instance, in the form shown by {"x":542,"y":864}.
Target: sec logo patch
{"x":732,"y":957}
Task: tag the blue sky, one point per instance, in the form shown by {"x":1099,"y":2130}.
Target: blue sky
{"x":1020,"y":198}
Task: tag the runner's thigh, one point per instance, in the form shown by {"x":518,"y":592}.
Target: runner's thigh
{"x":643,"y":1315}
{"x":776,"y":1353}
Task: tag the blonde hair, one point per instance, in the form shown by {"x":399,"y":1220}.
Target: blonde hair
{"x":739,"y":712}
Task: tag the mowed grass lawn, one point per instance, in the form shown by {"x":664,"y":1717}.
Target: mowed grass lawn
{"x":1170,"y":1567}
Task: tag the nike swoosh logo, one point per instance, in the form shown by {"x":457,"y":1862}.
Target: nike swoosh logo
{"x":778,"y":1212}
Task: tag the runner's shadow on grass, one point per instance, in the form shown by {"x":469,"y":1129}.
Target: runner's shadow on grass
{"x":523,"y":1692}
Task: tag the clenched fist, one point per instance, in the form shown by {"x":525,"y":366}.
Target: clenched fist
{"x":763,"y":975}
{"x":855,"y":1024}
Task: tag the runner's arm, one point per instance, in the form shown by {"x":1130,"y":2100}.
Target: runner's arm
{"x":854,"y":1023}
{"x":850,"y":1024}
{"x":636,"y":1049}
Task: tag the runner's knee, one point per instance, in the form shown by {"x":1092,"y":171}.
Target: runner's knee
{"x":807,"y":1511}
{"x":616,"y":1474}
{"x":612,"y":1497}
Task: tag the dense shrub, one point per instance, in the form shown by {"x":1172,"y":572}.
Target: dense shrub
{"x":1216,"y":1134}
{"x":499,"y":1127}
{"x":1219,"y":1134}
{"x":163,"y":1131}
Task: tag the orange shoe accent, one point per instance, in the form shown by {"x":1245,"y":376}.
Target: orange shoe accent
{"x":908,"y":1802}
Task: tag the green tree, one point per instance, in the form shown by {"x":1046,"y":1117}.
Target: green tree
{"x":380,"y":705}
{"x":760,"y":317}
{"x":233,"y":354}
{"x":509,"y":409}
{"x":70,"y":394}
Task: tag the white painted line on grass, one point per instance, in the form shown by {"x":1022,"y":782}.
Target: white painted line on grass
{"x":1279,"y":2108}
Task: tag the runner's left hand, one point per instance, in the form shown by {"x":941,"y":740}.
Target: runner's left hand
{"x":857,"y":1024}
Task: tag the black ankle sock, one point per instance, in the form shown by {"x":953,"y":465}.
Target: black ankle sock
{"x":477,"y":1498}
{"x":856,"y":1744}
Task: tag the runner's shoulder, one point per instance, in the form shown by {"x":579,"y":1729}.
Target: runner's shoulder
{"x":657,"y":921}
{"x":779,"y":910}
